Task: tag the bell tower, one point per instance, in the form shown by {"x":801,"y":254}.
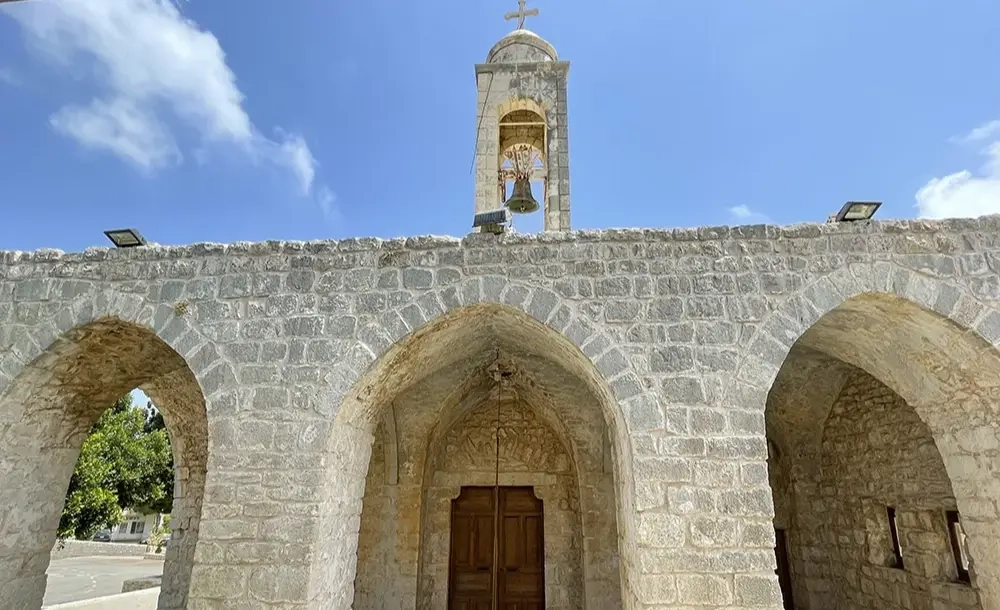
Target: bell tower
{"x":522,"y":144}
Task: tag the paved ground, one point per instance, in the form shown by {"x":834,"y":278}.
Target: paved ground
{"x":79,"y":578}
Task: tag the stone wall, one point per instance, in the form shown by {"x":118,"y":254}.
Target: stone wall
{"x":875,"y":453}
{"x":379,"y":583}
{"x":87,"y":548}
{"x":143,"y":599}
{"x":670,"y":338}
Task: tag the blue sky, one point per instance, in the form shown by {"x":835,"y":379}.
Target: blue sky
{"x":139,"y":398}
{"x":222,"y":121}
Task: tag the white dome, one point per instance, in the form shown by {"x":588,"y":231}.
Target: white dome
{"x":521,"y":46}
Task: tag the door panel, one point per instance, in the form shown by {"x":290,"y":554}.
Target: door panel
{"x":521,"y":575}
{"x":471,"y":556}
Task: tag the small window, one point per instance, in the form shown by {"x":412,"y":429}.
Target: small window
{"x":897,"y":550}
{"x":123,"y":528}
{"x":138,"y":527}
{"x":957,"y":536}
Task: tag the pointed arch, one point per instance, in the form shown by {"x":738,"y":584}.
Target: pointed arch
{"x":56,"y":380}
{"x":436,"y":331}
{"x":930,"y":342}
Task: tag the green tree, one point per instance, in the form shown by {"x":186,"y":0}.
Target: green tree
{"x":154,"y":420}
{"x":125,"y":463}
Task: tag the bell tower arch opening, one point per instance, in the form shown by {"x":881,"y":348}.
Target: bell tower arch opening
{"x":522,"y":144}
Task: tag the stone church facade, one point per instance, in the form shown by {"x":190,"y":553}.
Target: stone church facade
{"x":740,"y":418}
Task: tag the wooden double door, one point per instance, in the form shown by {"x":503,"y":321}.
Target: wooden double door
{"x":520,"y":573}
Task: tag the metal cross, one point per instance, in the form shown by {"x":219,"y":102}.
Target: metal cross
{"x":521,"y":14}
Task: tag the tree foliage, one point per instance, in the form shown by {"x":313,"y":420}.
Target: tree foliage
{"x":125,"y":463}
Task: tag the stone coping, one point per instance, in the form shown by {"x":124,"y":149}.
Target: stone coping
{"x":89,"y":548}
{"x":141,"y":583}
{"x":144,"y":599}
{"x":473,"y":240}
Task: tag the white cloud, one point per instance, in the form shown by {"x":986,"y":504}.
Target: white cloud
{"x":964,"y":194}
{"x":983,"y":132}
{"x":149,"y":62}
{"x":8,"y":77}
{"x":327,"y":201}
{"x":293,"y":153}
{"x":743,"y":214}
{"x":120,"y":127}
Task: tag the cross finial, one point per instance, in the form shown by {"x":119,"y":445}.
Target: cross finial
{"x":521,"y":14}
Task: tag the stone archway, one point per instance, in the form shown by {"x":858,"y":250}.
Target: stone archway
{"x":454,"y":349}
{"x":461,"y":452}
{"x":922,"y":342}
{"x":56,"y":392}
{"x":846,"y":449}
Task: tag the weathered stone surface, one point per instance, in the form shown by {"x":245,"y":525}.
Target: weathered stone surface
{"x":834,"y":480}
{"x":649,"y":356}
{"x":85,"y":548}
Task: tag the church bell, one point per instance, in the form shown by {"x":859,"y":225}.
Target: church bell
{"x":521,"y":201}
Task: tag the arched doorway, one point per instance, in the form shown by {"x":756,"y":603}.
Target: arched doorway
{"x":45,"y":415}
{"x":883,"y":447}
{"x":431,"y":406}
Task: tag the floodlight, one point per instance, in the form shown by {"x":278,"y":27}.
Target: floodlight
{"x":492,"y":217}
{"x":492,"y":221}
{"x":857,"y":210}
{"x":126,"y":238}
